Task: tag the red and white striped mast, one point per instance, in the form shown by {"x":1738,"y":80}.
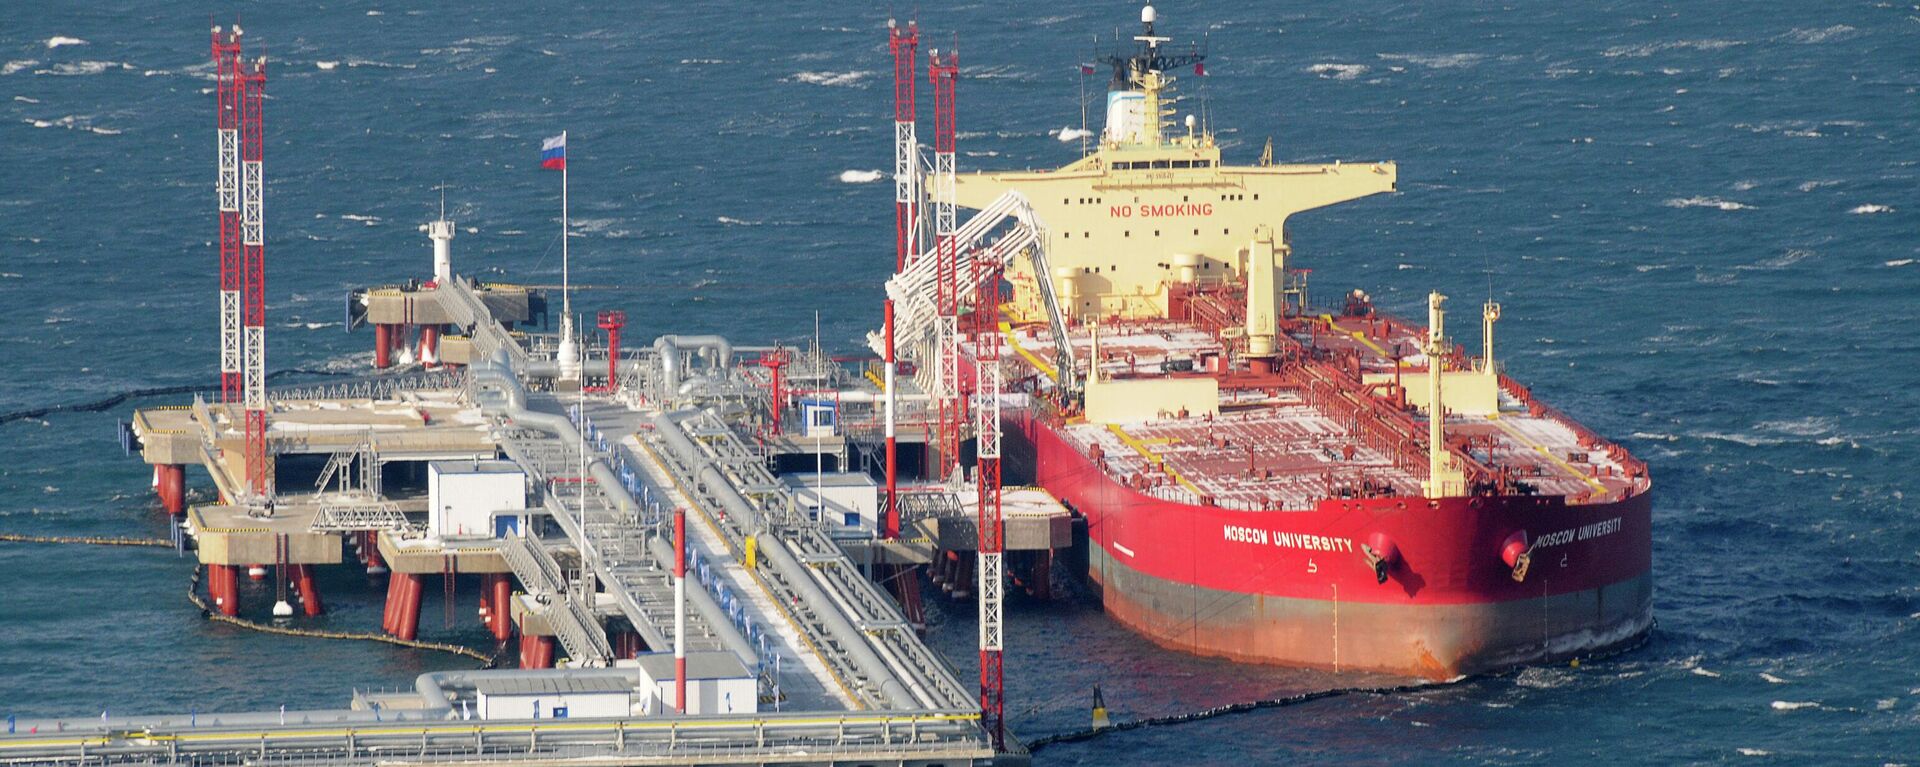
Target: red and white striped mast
{"x":987,"y":385}
{"x":905,"y":45}
{"x":226,"y":60}
{"x":252,"y":83}
{"x":942,"y":74}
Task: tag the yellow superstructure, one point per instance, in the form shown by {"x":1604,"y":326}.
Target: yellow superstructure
{"x":1124,"y":222}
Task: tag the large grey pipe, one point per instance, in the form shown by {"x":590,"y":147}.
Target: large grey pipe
{"x":499,"y":375}
{"x":776,"y":555}
{"x":668,"y":347}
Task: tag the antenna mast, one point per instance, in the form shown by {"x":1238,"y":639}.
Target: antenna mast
{"x":252,"y":83}
{"x":943,"y":73}
{"x":226,"y":60}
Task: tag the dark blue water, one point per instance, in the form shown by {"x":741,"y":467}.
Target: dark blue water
{"x":1700,"y":218}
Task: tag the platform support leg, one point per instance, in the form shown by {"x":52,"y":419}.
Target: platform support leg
{"x":309,"y":594}
{"x":382,"y":346}
{"x":502,"y":607}
{"x":406,"y":617}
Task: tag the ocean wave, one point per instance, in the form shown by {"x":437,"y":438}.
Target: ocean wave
{"x":1870,"y":209}
{"x":861,"y":176}
{"x":1745,"y":751}
{"x":1808,"y":186}
{"x":704,"y":61}
{"x":26,"y":100}
{"x":1811,"y":36}
{"x":1697,"y":671}
{"x":1769,"y":678}
{"x":17,"y":65}
{"x":1900,"y":262}
{"x":364,"y":219}
{"x":326,"y":65}
{"x":1706,"y":202}
{"x":731,"y":221}
{"x":73,"y":122}
{"x":81,"y":68}
{"x":59,"y":40}
{"x":849,"y":79}
{"x":1648,"y":49}
{"x":1799,"y":427}
{"x":1070,"y":133}
{"x":1332,"y":71}
{"x":1437,"y":60}
{"x":1793,"y":705}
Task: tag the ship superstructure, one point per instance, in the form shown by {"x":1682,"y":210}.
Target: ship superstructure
{"x":1264,"y":477}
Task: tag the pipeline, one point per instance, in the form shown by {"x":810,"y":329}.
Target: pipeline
{"x":668,"y":347}
{"x":86,"y":540}
{"x":499,"y":373}
{"x":774,"y":552}
{"x":207,"y":611}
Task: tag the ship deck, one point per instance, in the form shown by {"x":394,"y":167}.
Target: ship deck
{"x":1273,"y":448}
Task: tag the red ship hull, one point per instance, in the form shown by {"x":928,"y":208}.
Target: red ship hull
{"x":1294,"y":587}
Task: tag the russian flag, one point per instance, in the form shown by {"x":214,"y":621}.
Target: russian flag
{"x":553,"y":153}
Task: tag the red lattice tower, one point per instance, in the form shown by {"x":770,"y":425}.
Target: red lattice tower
{"x":905,"y":45}
{"x":942,"y":73}
{"x":226,"y":61}
{"x":989,"y":385}
{"x":252,"y":84}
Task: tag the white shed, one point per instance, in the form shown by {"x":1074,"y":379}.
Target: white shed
{"x":465,"y":497}
{"x":717,"y":683}
{"x":845,"y":503}
{"x":554,"y":696}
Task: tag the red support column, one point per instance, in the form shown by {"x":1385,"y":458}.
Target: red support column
{"x":309,"y":594}
{"x":382,"y":346}
{"x":173,"y":486}
{"x":370,"y":548}
{"x":223,"y":585}
{"x":502,"y":607}
{"x":536,"y":651}
{"x":429,"y":354}
{"x":406,"y":619}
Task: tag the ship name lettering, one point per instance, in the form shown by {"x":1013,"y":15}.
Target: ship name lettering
{"x":1240,"y":534}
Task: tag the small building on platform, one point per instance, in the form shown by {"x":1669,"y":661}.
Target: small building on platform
{"x":556,"y":696}
{"x":844,"y":503}
{"x":717,"y":683}
{"x":475,"y":498}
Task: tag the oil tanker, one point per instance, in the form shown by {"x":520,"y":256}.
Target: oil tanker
{"x":1264,"y":477}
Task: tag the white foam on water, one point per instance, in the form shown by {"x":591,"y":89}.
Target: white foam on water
{"x":1437,"y":60}
{"x":1648,"y":49}
{"x":705,"y":61}
{"x":1697,"y":671}
{"x":1706,"y":202}
{"x":324,"y":65}
{"x":1332,"y":71}
{"x":60,"y":40}
{"x":861,"y":176}
{"x":731,"y":221}
{"x":1870,"y":209}
{"x":78,"y":68}
{"x":1900,"y":262}
{"x":1793,"y":705}
{"x":1771,"y":679}
{"x":1071,"y":133}
{"x":1812,"y":36}
{"x":364,"y":219}
{"x":26,"y":100}
{"x":845,"y":79}
{"x":1744,"y":751}
{"x":1809,"y":186}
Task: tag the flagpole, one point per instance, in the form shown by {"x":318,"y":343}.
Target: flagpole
{"x":566,"y":294}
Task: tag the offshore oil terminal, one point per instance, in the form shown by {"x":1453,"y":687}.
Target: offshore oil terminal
{"x":700,"y":551}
